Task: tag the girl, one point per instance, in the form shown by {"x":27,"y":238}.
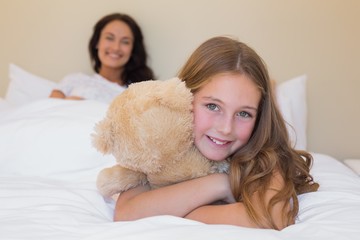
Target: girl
{"x":118,"y":56}
{"x":235,"y":117}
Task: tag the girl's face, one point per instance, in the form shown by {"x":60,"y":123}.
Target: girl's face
{"x":225,"y":110}
{"x":115,"y":45}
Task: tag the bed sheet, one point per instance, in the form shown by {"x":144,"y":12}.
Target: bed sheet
{"x":47,"y":186}
{"x":42,"y":208}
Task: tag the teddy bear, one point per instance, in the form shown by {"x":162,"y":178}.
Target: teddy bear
{"x":148,"y":129}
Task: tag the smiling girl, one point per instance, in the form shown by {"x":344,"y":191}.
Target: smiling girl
{"x":235,"y":117}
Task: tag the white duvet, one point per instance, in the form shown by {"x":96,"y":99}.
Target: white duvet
{"x":47,"y":186}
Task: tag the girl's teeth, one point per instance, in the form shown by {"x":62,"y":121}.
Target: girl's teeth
{"x":217,"y":142}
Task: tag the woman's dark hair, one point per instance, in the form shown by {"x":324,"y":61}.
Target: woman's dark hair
{"x":135,"y":69}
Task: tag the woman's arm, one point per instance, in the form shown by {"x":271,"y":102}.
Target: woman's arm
{"x":236,"y":214}
{"x":177,"y":200}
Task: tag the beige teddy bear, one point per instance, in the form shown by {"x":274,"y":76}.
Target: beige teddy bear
{"x":148,"y":129}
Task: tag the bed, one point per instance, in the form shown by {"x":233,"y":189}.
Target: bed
{"x":49,"y":167}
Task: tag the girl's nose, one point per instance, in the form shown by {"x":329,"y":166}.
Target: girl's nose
{"x":225,"y":125}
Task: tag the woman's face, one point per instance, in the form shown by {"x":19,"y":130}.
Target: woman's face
{"x":115,"y":45}
{"x":225,"y":110}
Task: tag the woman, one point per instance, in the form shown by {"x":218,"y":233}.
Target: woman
{"x":118,"y":56}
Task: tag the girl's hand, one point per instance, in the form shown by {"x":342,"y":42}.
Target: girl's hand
{"x":224,"y":184}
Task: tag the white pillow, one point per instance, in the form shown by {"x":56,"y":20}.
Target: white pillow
{"x":52,"y":138}
{"x":354,"y":164}
{"x":25,"y":87}
{"x":4,"y":105}
{"x":291,"y":99}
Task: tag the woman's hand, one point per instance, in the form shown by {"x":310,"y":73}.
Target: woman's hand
{"x":59,"y":94}
{"x":56,"y":94}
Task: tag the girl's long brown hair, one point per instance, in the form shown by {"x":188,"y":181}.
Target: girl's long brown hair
{"x":269,"y":149}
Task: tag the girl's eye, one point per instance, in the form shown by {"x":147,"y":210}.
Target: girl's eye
{"x":212,"y":107}
{"x":244,"y":114}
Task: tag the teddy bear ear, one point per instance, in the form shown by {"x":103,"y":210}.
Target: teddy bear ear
{"x":175,"y":95}
{"x":102,"y":139}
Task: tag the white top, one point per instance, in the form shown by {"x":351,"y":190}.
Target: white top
{"x":93,"y":87}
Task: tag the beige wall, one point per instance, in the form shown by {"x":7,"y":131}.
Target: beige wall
{"x":317,"y":37}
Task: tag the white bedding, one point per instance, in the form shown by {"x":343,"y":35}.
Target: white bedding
{"x":47,"y":186}
{"x":4,"y":105}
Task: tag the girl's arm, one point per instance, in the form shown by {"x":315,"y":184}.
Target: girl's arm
{"x":232,"y":214}
{"x":236,"y":214}
{"x":177,"y":200}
